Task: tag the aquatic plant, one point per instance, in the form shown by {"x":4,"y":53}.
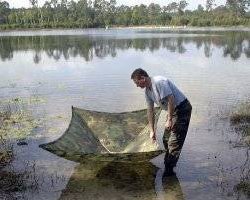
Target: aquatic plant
{"x":240,"y":119}
{"x":16,"y":121}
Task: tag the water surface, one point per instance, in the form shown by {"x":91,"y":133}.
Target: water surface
{"x":91,"y":69}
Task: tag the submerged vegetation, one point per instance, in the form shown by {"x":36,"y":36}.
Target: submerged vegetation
{"x":12,"y":184}
{"x":241,"y":121}
{"x":16,"y":123}
{"x":101,"y":13}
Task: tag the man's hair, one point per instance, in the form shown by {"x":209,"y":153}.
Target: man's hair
{"x":138,"y":73}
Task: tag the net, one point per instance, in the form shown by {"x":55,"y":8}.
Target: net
{"x":93,"y":132}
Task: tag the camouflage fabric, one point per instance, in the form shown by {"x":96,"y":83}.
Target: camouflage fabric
{"x":173,"y":140}
{"x":93,"y":132}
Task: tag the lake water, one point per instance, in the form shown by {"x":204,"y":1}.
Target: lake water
{"x":91,"y":69}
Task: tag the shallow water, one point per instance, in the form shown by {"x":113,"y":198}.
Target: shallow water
{"x":91,"y":69}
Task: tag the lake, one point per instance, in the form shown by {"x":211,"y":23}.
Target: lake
{"x":91,"y":68}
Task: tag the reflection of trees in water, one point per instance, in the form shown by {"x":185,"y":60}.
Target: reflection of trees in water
{"x":6,"y":51}
{"x":234,"y":44}
{"x":247,"y":49}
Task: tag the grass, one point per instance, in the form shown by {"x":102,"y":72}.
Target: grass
{"x":15,"y":123}
{"x":244,"y":186}
{"x":240,"y":120}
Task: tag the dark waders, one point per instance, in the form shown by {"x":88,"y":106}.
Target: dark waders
{"x":173,"y":140}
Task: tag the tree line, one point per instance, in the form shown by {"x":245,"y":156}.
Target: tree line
{"x":102,"y":13}
{"x":232,"y":44}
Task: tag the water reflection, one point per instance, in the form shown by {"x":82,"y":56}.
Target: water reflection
{"x":232,"y":44}
{"x":120,"y":180}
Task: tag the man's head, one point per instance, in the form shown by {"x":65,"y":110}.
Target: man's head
{"x":140,"y":78}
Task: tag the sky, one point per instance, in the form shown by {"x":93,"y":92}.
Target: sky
{"x":192,"y":3}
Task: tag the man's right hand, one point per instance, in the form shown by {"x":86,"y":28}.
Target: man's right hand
{"x":152,"y":136}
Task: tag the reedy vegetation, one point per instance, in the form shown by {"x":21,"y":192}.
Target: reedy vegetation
{"x":101,"y":13}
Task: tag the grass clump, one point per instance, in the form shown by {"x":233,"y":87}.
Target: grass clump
{"x":16,"y":123}
{"x":240,"y":119}
{"x":244,"y":187}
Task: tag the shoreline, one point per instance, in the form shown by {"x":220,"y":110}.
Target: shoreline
{"x":152,"y":27}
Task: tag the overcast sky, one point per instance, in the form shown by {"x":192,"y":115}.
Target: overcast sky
{"x":192,"y":3}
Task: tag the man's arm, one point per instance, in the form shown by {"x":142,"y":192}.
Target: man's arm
{"x":169,"y":122}
{"x":151,"y":120}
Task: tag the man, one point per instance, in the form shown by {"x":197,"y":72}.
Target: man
{"x":165,"y":94}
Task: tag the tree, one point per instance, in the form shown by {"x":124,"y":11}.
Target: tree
{"x":182,"y":5}
{"x":200,"y":8}
{"x":54,"y":3}
{"x":4,"y":11}
{"x":55,"y":6}
{"x":239,"y":7}
{"x":83,"y":12}
{"x":154,"y":12}
{"x":172,"y":7}
{"x":165,"y":17}
{"x":34,"y":3}
{"x":47,"y":12}
{"x":110,"y":13}
{"x":123,"y":16}
{"x":99,"y":10}
{"x":62,"y":10}
{"x":209,"y":5}
{"x":139,"y":15}
{"x":72,"y":9}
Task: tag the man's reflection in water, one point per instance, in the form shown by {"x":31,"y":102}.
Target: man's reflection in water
{"x":123,"y":180}
{"x":167,"y":185}
{"x":172,"y":187}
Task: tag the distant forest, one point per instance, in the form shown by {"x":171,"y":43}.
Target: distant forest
{"x":101,"y":13}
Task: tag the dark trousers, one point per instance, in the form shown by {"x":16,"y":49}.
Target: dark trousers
{"x":173,"y":139}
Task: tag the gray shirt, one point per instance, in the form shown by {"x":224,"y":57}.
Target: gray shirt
{"x":162,"y":87}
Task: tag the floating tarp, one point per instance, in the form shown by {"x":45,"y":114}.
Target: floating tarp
{"x":93,"y":132}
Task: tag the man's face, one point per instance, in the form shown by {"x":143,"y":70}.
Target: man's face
{"x":140,"y":82}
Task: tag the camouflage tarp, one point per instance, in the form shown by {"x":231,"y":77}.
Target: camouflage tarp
{"x":92,"y":132}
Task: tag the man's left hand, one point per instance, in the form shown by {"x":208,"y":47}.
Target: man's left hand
{"x":169,"y":124}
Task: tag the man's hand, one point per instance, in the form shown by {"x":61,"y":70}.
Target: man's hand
{"x":169,"y":124}
{"x":152,"y":136}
